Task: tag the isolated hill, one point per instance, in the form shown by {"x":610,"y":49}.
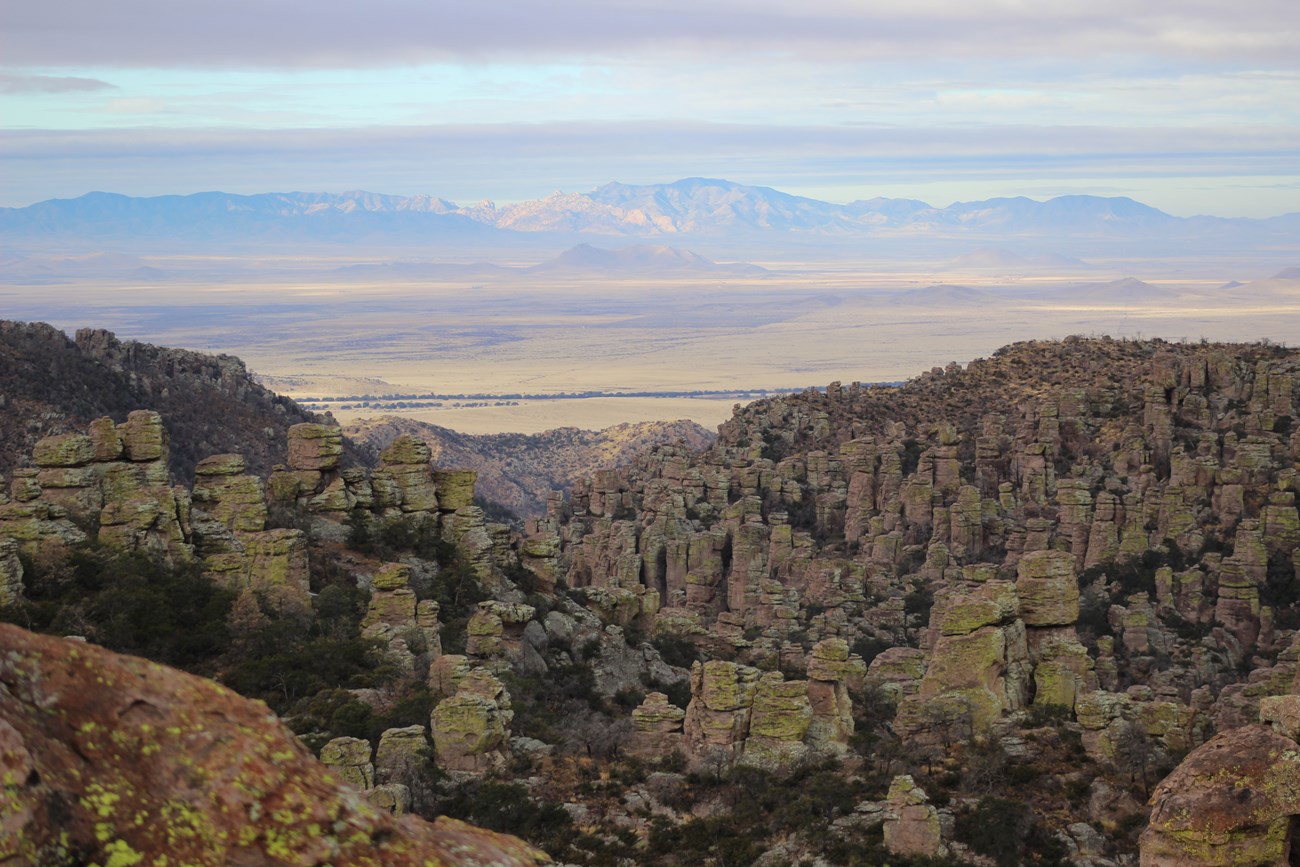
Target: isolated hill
{"x":50,"y":384}
{"x":1283,"y":285}
{"x":519,"y":471}
{"x":943,"y":295}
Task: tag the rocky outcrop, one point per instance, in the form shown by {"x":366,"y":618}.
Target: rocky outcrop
{"x":520,"y":471}
{"x":656,"y":728}
{"x":11,"y":573}
{"x":738,"y":714}
{"x":911,"y":824}
{"x":1232,"y":801}
{"x":229,"y":523}
{"x":148,"y":763}
{"x":471,"y":729}
{"x":1081,"y":513}
{"x":112,"y":481}
{"x":209,"y":403}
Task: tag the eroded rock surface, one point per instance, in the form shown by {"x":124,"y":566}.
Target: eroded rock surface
{"x":113,"y":760}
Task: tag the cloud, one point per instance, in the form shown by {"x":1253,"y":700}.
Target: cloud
{"x":14,"y":83}
{"x":343,"y":33}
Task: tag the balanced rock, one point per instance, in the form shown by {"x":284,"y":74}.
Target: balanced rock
{"x":656,"y":727}
{"x":143,"y":436}
{"x":911,"y":825}
{"x":315,"y":446}
{"x":455,"y":488}
{"x":66,"y":450}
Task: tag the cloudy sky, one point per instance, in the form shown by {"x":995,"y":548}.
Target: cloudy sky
{"x":1189,"y":105}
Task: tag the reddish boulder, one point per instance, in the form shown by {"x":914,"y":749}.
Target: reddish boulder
{"x":114,"y":760}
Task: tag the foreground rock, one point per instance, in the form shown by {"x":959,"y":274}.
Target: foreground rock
{"x":110,"y":759}
{"x":1231,"y":802}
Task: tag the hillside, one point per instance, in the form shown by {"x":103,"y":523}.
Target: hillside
{"x":972,"y":619}
{"x":519,"y":471}
{"x":51,"y":384}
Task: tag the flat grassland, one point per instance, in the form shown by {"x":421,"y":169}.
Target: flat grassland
{"x":315,"y":334}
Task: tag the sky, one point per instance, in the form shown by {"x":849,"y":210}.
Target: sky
{"x":1192,"y":106}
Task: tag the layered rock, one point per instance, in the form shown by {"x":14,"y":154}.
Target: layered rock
{"x":656,"y":728}
{"x":231,"y":535}
{"x":113,"y":478}
{"x":911,"y":824}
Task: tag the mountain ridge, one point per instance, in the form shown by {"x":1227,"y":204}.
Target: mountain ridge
{"x":702,"y":207}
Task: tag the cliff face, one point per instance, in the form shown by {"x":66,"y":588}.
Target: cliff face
{"x":113,"y":760}
{"x":210,"y":404}
{"x":520,"y":471}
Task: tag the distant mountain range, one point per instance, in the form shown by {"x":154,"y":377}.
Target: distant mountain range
{"x":698,"y":208}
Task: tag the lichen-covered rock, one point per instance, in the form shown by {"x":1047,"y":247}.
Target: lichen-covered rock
{"x":912,"y":826}
{"x":446,"y":673}
{"x":400,"y":755}
{"x":722,"y":697}
{"x":148,"y":765}
{"x":897,"y":671}
{"x":471,"y":730}
{"x":315,"y":446}
{"x":987,"y":672}
{"x":406,"y":449}
{"x":1282,"y":713}
{"x":349,"y":758}
{"x":66,"y":450}
{"x":143,"y":436}
{"x":1232,"y":801}
{"x":778,"y":722}
{"x":11,"y":573}
{"x":455,"y":488}
{"x":1048,"y":589}
{"x":656,"y":727}
{"x":406,"y":467}
{"x":391,"y":798}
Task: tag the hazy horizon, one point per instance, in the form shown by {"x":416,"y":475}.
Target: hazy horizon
{"x":475,"y":200}
{"x":1192,"y":108}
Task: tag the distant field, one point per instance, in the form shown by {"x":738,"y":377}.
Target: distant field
{"x":786,"y":329}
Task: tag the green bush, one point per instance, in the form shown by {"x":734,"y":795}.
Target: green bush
{"x":128,"y":602}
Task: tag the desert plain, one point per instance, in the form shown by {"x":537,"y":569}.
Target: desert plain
{"x":328,"y":332}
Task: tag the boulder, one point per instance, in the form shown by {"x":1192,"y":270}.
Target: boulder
{"x":185,"y":772}
{"x":1231,"y":802}
{"x":471,"y":730}
{"x":349,"y":759}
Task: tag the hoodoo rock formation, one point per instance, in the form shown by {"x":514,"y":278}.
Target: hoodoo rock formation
{"x":1019,"y":590}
